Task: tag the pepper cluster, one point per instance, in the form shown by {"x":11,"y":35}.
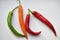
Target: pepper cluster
{"x":25,"y":26}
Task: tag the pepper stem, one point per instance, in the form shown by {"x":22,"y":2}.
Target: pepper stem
{"x":30,"y":10}
{"x":15,"y":8}
{"x":19,"y":2}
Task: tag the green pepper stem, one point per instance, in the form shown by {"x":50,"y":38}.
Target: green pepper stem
{"x":15,"y":8}
{"x":19,"y":2}
{"x":30,"y":10}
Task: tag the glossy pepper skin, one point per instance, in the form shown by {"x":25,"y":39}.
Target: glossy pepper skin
{"x":27,"y":26}
{"x":9,"y":19}
{"x":21,"y":19}
{"x":44,"y":20}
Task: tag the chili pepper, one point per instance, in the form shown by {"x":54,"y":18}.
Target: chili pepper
{"x":27,"y":25}
{"x":9,"y":19}
{"x":21,"y":20}
{"x":44,"y":20}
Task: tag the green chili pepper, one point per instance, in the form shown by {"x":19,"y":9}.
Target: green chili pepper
{"x":9,"y":19}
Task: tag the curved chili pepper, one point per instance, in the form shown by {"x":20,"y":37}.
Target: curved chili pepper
{"x":44,"y":20}
{"x":21,"y":20}
{"x":27,"y":25}
{"x":9,"y":19}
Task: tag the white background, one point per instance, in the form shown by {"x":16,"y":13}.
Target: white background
{"x":48,"y":8}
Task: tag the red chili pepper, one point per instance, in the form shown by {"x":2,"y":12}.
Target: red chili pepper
{"x":44,"y":20}
{"x":27,"y":25}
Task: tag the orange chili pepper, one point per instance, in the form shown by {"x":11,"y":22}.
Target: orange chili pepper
{"x":21,"y":20}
